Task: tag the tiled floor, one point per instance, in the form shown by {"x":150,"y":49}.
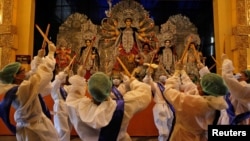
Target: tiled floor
{"x":75,"y":138}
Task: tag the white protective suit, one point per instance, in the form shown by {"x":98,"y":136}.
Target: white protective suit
{"x":122,"y":88}
{"x":31,"y":123}
{"x":61,"y":116}
{"x":163,"y":115}
{"x":239,"y":93}
{"x":34,"y":64}
{"x":193,"y":112}
{"x":88,"y":118}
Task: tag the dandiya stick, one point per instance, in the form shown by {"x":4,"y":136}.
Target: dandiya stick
{"x":46,"y":34}
{"x":123,"y":66}
{"x":153,"y":56}
{"x":214,"y":60}
{"x":87,"y":56}
{"x":72,"y":60}
{"x":70,"y":64}
{"x":157,"y":49}
{"x":212,"y":67}
{"x":184,"y":53}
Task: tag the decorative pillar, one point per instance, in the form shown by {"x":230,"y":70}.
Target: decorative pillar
{"x":241,"y":33}
{"x":7,"y":33}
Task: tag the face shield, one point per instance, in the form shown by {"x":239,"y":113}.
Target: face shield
{"x":163,"y":78}
{"x":116,"y":81}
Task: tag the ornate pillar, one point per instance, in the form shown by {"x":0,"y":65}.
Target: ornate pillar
{"x":7,"y":32}
{"x":241,"y":34}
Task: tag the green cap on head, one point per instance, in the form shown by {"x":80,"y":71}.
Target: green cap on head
{"x":99,"y":86}
{"x":8,"y":72}
{"x":247,"y":73}
{"x":213,"y":84}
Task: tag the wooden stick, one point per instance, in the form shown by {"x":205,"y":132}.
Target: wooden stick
{"x":72,"y":60}
{"x":153,"y":56}
{"x":87,"y":56}
{"x":212,"y":66}
{"x":214,"y":60}
{"x":46,"y":34}
{"x":156,"y":51}
{"x":69,"y":67}
{"x":184,"y":52}
{"x":123,"y":66}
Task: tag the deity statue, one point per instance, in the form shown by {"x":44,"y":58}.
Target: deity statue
{"x":63,"y":55}
{"x":127,"y":29}
{"x":192,"y":56}
{"x":167,"y":55}
{"x":90,"y":58}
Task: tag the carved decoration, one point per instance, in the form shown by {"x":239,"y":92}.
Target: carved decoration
{"x":7,"y":29}
{"x":128,"y":9}
{"x":247,"y":9}
{"x":167,"y":32}
{"x":109,"y":40}
{"x":242,"y":43}
{"x":185,"y":27}
{"x":7,"y":12}
{"x":241,"y":34}
{"x":178,"y":35}
{"x":77,"y":28}
{"x":5,"y":57}
{"x":192,"y":38}
{"x":89,"y":31}
{"x":73,"y":22}
{"x":69,"y":38}
{"x":72,"y":35}
{"x":6,"y":41}
{"x":7,"y":32}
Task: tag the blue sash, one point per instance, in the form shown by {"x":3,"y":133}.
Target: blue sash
{"x":111,"y":131}
{"x":44,"y":106}
{"x":162,"y":88}
{"x":235,"y":119}
{"x":5,"y":106}
{"x":63,"y":93}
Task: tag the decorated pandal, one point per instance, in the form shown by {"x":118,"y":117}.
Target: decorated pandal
{"x":118,"y":45}
{"x":122,"y":34}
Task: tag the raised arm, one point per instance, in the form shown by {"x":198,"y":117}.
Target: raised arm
{"x":29,"y":89}
{"x":237,"y":89}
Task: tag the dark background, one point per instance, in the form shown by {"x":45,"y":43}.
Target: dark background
{"x":200,"y":13}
